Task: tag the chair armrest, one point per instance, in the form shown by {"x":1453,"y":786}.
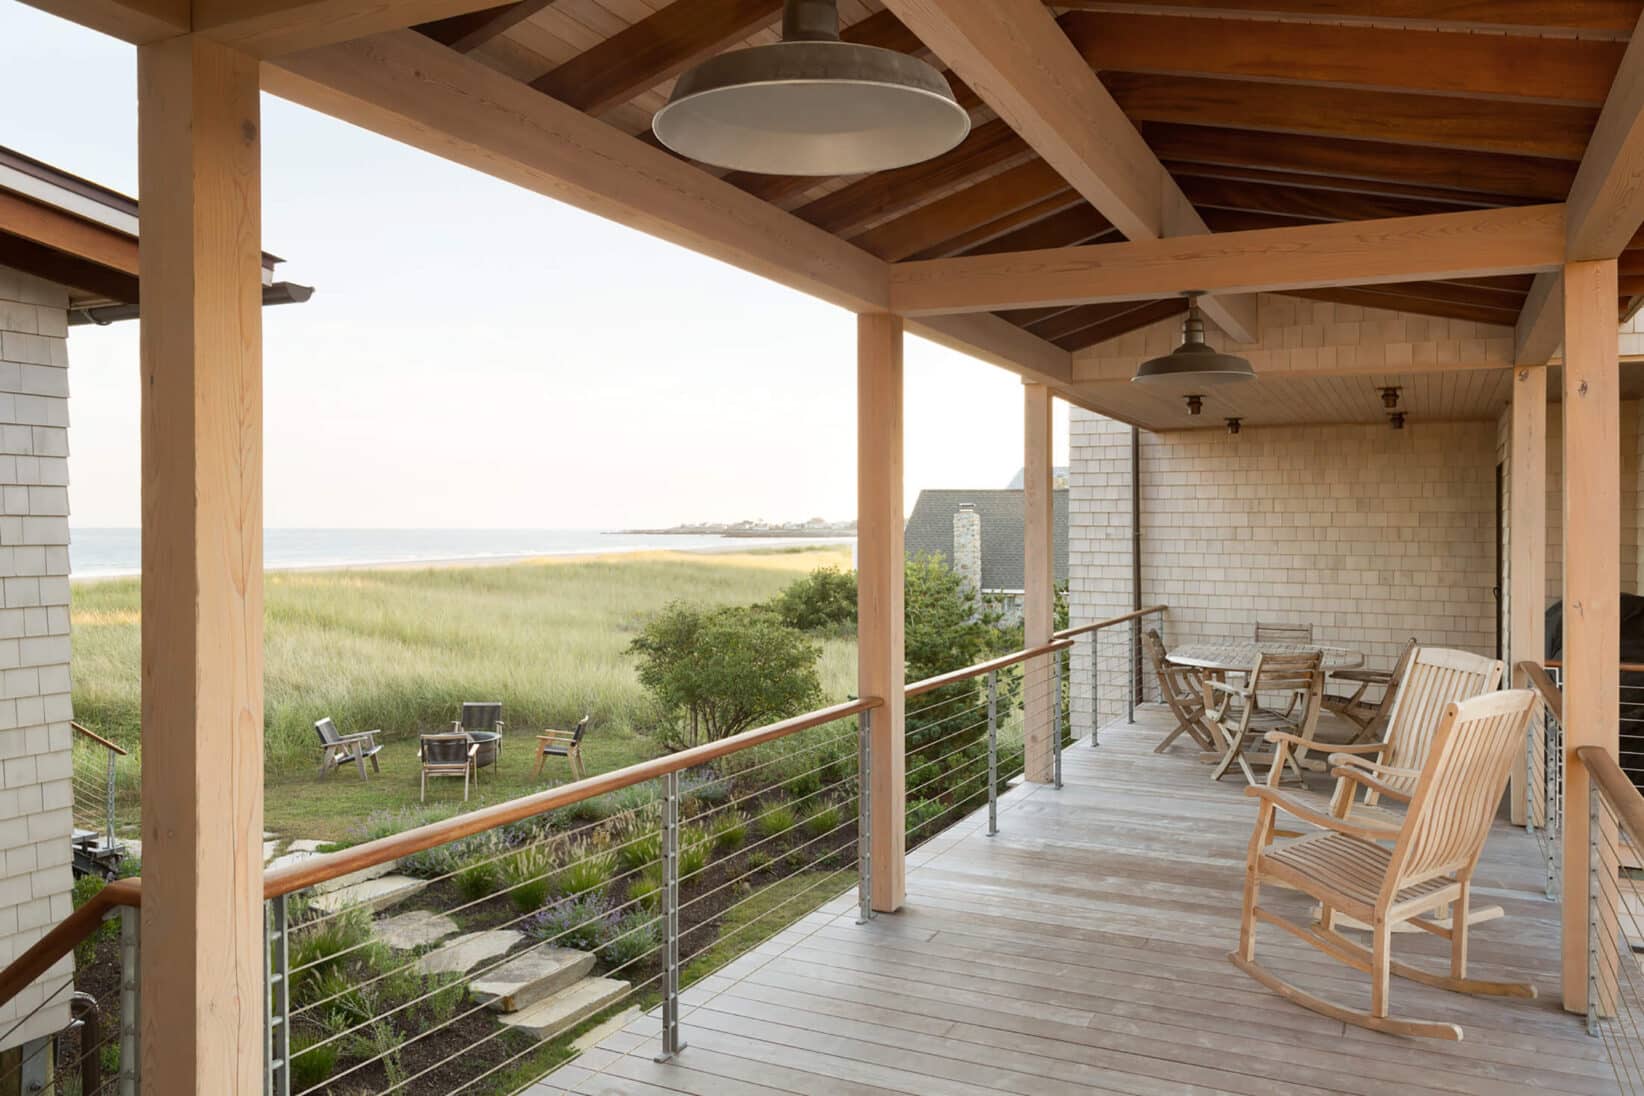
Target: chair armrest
{"x":362,"y":735}
{"x":1359,"y":776}
{"x":558,"y":736}
{"x":1369,"y":677}
{"x":1374,"y":768}
{"x":473,"y":749}
{"x":1299,"y":810}
{"x":1359,"y":748}
{"x":1230,"y":690}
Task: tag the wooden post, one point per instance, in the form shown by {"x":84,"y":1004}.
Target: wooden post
{"x":1592,"y":576}
{"x":1527,"y":539}
{"x":1038,"y":583}
{"x":204,"y":1002}
{"x":881,"y":670}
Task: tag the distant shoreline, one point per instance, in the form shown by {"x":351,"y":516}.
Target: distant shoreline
{"x":569,"y":556}
{"x":751,"y":534}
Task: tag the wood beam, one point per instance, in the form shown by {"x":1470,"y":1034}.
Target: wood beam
{"x":881,"y":666}
{"x":1527,"y":538}
{"x":1595,"y":15}
{"x":1607,"y":198}
{"x":472,"y":30}
{"x":67,"y":233}
{"x":271,"y":28}
{"x":1520,"y":128}
{"x":1024,"y":67}
{"x":1573,"y":70}
{"x":653,"y":50}
{"x":1530,"y":177}
{"x":407,"y":87}
{"x":1526,"y":239}
{"x":981,"y":203}
{"x":1540,"y":327}
{"x":1592,"y":578}
{"x":203,"y":956}
{"x":1038,"y":583}
{"x":1000,"y":343}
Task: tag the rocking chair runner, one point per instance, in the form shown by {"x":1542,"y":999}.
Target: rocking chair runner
{"x":1183,"y":692}
{"x":1452,"y":804}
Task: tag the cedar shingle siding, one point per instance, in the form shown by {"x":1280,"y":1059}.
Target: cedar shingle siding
{"x":930,"y":532}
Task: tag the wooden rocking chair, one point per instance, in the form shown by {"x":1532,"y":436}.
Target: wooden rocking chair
{"x":1183,"y":691}
{"x":1370,"y":717}
{"x":1239,"y":720}
{"x":1348,"y":870}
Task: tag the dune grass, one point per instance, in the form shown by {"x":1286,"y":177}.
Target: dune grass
{"x":400,"y":649}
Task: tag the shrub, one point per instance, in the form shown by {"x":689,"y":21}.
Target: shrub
{"x":758,"y":860}
{"x":445,"y":994}
{"x":86,"y":888}
{"x":805,"y":785}
{"x":775,"y":819}
{"x":478,"y":879}
{"x":729,"y":831}
{"x":645,"y":889}
{"x":709,"y":790}
{"x":631,"y":938}
{"x":825,"y":820}
{"x":590,"y":871}
{"x":824,"y":600}
{"x":922,"y":813}
{"x":526,"y":876}
{"x":339,"y":999}
{"x":319,"y":947}
{"x":582,"y":922}
{"x":725,"y":670}
{"x":639,"y":851}
{"x":694,"y":843}
{"x":310,"y":1064}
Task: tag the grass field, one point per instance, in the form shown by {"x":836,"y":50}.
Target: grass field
{"x":400,"y":649}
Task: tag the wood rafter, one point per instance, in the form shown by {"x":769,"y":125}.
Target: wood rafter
{"x":1135,"y":319}
{"x":1401,"y":59}
{"x":1000,"y":227}
{"x":1440,"y":246}
{"x":473,"y":29}
{"x":1017,"y":58}
{"x":1420,"y":305}
{"x":653,"y":50}
{"x":1437,"y":121}
{"x":1374,"y":187}
{"x":1021,"y":187}
{"x":1293,"y":201}
{"x":1592,"y":15}
{"x":1080,"y":224}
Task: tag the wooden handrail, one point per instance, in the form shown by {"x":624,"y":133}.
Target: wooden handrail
{"x":1134,"y":614}
{"x":1617,"y":788}
{"x":1542,"y":683}
{"x":1624,"y":667}
{"x":321,"y":869}
{"x":74,"y":928}
{"x":931,"y":684}
{"x":97,"y":738}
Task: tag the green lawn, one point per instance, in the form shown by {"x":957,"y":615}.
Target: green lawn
{"x":400,"y":649}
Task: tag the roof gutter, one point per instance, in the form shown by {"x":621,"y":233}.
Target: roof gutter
{"x":103,"y":315}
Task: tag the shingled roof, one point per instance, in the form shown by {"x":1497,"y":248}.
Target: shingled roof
{"x":930,"y":532}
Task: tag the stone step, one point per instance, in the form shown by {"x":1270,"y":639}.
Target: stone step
{"x":527,"y":979}
{"x":373,"y":894}
{"x":297,"y":855}
{"x":467,"y":952}
{"x":414,"y":929}
{"x":567,"y":1008}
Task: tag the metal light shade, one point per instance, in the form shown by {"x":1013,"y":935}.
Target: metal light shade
{"x":1194,"y":362}
{"x":811,"y":104}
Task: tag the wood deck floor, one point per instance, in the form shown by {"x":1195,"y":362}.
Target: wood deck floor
{"x":1082,"y":950}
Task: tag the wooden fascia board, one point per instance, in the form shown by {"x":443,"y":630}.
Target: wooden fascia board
{"x":1524,"y":239}
{"x":71,"y":235}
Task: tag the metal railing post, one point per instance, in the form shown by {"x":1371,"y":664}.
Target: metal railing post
{"x":993,"y":753}
{"x":864,"y":819}
{"x":1056,"y":718}
{"x":1592,"y":908}
{"x":1130,"y":681}
{"x":670,"y":917}
{"x":1096,"y":688}
{"x":109,"y":798}
{"x":131,"y":1063}
{"x":277,"y":1032}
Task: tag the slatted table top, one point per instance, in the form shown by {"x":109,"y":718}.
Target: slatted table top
{"x":1233,"y":655}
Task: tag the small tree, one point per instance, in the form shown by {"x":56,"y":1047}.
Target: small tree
{"x":824,"y":600}
{"x":725,"y":670}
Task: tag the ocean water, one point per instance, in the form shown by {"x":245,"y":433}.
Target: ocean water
{"x":95,"y":552}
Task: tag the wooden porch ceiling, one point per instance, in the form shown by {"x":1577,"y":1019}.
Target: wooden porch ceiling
{"x":1264,"y":112}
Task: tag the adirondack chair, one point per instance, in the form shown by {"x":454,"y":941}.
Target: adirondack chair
{"x":1370,"y":717}
{"x":1284,"y":633}
{"x":566,"y":744}
{"x":1183,"y":692}
{"x":481,"y":716}
{"x":1239,"y":720}
{"x":341,"y":749}
{"x":447,"y":755}
{"x":1350,"y":870}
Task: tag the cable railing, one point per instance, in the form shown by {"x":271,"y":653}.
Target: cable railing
{"x":1109,"y":657}
{"x":1544,"y":769}
{"x":469,"y":953}
{"x":95,"y":779}
{"x":1615,"y":916}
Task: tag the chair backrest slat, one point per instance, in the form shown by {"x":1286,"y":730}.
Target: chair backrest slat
{"x":1435,"y":678}
{"x":445,"y":749}
{"x":327,"y":731}
{"x":1276,"y":673}
{"x":580,"y":729}
{"x":1461,"y":785}
{"x":1283,"y":633}
{"x":481,"y":716}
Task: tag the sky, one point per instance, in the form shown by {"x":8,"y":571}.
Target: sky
{"x":479,"y":356}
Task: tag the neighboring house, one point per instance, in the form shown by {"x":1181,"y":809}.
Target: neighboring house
{"x":979,"y":534}
{"x":68,"y":256}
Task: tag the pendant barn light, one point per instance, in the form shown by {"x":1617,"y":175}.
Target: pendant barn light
{"x":811,"y":104}
{"x":1194,"y":361}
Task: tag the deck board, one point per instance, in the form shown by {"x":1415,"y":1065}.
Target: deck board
{"x":1083,"y":950}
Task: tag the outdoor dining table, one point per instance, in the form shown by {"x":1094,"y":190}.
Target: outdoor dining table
{"x":1218,"y":658}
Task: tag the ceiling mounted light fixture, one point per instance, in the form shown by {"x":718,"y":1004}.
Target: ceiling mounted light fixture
{"x":811,"y":104}
{"x":1396,"y":420}
{"x":1194,"y":362}
{"x":1390,"y":397}
{"x":1195,"y":404}
{"x":1233,"y":426}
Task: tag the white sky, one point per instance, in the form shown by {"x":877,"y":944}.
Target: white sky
{"x":479,"y":356}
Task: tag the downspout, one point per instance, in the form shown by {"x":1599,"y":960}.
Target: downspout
{"x":1135,"y":569}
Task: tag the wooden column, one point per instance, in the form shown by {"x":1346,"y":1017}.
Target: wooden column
{"x":1038,"y":582}
{"x":204,"y":1002}
{"x":1592,"y":575}
{"x":1527,"y":539}
{"x":881,"y":670}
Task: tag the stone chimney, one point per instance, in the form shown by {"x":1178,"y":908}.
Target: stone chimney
{"x":967,"y":545}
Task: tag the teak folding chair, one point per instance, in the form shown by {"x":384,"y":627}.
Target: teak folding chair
{"x":1452,"y":802}
{"x":1284,"y":633}
{"x":1239,"y":720}
{"x":1370,"y":717}
{"x":448,"y":755}
{"x":1183,"y":691}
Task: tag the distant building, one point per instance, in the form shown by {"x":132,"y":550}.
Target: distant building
{"x":979,"y":534}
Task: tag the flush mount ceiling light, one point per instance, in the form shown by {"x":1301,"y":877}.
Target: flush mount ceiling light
{"x":1390,"y":397}
{"x":1233,"y":426}
{"x":1396,"y":420}
{"x":1194,"y":362}
{"x":1195,"y":404}
{"x":811,"y":104}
